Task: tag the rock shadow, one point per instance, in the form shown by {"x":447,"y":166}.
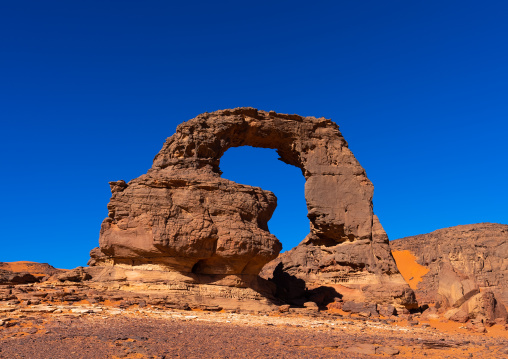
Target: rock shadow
{"x":293,"y":290}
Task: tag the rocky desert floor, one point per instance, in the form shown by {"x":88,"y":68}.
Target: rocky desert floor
{"x":105,"y":330}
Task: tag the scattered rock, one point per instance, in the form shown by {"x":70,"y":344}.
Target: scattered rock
{"x":367,"y":349}
{"x":460,"y":316}
{"x":82,"y":310}
{"x":284,"y":308}
{"x":387,"y":311}
{"x":311,"y":306}
{"x":478,"y":328}
{"x":366,"y":308}
{"x":387,"y":350}
{"x":210,"y":308}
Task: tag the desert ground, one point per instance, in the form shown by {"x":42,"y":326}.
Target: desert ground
{"x":115,"y":328}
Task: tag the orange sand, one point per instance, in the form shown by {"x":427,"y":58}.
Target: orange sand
{"x":409,"y":268}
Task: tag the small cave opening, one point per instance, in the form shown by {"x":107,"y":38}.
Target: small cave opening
{"x":260,"y":167}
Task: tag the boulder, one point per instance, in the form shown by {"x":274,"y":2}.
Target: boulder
{"x":387,"y":310}
{"x":358,"y":308}
{"x":485,"y":306}
{"x":460,"y":316}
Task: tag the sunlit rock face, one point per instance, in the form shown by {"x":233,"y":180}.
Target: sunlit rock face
{"x":183,"y":216}
{"x":462,"y":261}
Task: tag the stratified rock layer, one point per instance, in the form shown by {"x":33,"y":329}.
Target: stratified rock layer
{"x":183,"y":217}
{"x":462,"y":262}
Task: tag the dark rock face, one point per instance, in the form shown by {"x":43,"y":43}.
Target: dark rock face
{"x":183,"y":217}
{"x":468,"y":267}
{"x":8,"y":277}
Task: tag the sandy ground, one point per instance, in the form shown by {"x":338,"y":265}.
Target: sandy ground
{"x":409,"y":268}
{"x":103,"y":331}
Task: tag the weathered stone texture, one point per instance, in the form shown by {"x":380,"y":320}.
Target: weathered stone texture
{"x":182,"y":216}
{"x":462,"y":260}
{"x":25,"y":272}
{"x":212,"y":226}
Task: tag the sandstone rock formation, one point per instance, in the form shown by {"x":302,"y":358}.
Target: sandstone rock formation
{"x":357,"y":270}
{"x":182,"y":219}
{"x":8,"y":277}
{"x":25,"y":272}
{"x":467,"y":268}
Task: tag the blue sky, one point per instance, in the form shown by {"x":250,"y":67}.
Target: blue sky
{"x":89,"y":90}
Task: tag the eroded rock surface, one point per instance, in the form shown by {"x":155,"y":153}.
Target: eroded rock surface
{"x":361,"y":270}
{"x":25,"y":272}
{"x":467,"y":268}
{"x":182,"y":217}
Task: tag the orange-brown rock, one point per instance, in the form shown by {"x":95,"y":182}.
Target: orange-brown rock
{"x":25,"y":272}
{"x":466,"y":267}
{"x":357,"y":270}
{"x":183,"y":217}
{"x":34,"y":268}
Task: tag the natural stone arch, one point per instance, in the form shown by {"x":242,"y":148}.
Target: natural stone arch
{"x":261,"y":167}
{"x":337,"y":190}
{"x":183,"y":216}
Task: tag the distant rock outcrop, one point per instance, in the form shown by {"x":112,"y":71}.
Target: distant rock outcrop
{"x":25,"y":272}
{"x":183,"y":218}
{"x":8,"y":277}
{"x":466,"y":268}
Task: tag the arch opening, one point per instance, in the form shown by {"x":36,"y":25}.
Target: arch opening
{"x":261,"y":167}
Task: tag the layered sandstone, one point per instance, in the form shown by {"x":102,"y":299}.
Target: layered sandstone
{"x":185,"y":221}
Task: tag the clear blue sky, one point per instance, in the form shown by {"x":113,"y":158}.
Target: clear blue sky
{"x":89,"y":90}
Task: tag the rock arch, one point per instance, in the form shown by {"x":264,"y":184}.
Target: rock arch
{"x":260,"y":167}
{"x":183,"y":216}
